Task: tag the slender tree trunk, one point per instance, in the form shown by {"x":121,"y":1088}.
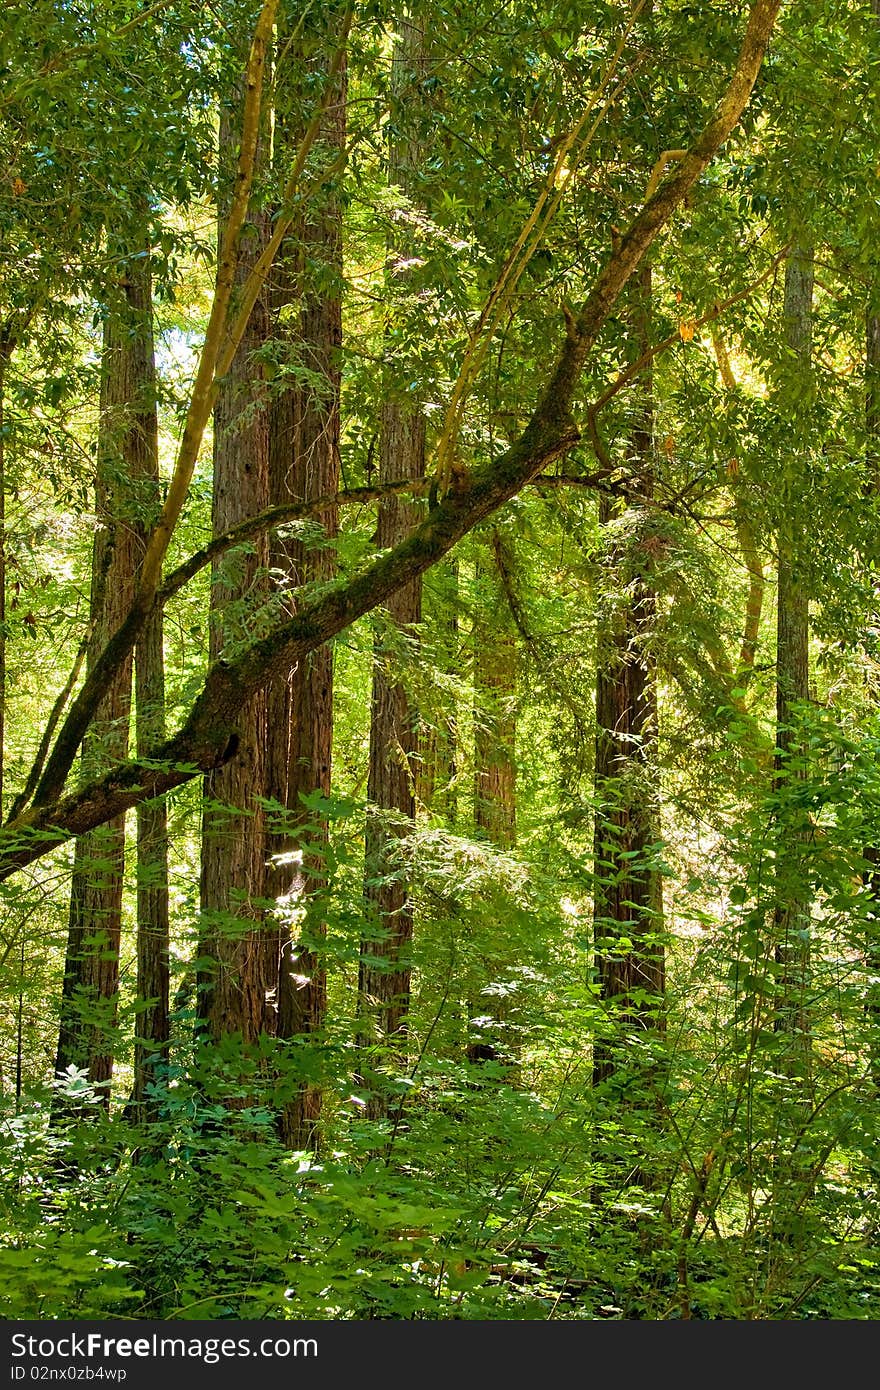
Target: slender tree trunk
{"x":384,"y":973}
{"x":628,"y":890}
{"x":436,"y":786}
{"x":384,"y":976}
{"x":495,"y":680}
{"x":237,"y":988}
{"x":304,"y":465}
{"x":792,"y":915}
{"x":152,"y":1030}
{"x":496,"y":662}
{"x":91,"y":972}
{"x":152,"y":1024}
{"x":872,"y":459}
{"x":5,"y":353}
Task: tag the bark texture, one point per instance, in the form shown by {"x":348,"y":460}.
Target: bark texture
{"x":792,"y":915}
{"x":125,"y":445}
{"x":384,"y":973}
{"x":237,"y":989}
{"x":495,"y":683}
{"x":152,"y":1027}
{"x":627,"y":912}
{"x":304,"y":466}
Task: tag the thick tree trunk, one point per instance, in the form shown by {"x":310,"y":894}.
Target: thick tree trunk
{"x":237,"y":988}
{"x":151,"y":1017}
{"x":792,"y":915}
{"x":304,"y":465}
{"x":384,"y":973}
{"x":91,"y":972}
{"x":628,"y":890}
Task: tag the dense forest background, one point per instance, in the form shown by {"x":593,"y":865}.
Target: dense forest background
{"x":439,"y":685}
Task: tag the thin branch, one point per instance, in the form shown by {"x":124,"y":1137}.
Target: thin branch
{"x":217,"y":336}
{"x":33,"y":777}
{"x":289,"y":512}
{"x":745,"y":533}
{"x":272,"y":518}
{"x":636,"y":368}
{"x":531,"y":235}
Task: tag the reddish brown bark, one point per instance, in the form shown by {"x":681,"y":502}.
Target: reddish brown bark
{"x":126,"y":443}
{"x":385,"y":970}
{"x":792,"y":916}
{"x":152,"y":1027}
{"x":304,"y":466}
{"x":626,"y":907}
{"x":384,"y":975}
{"x":238,"y":982}
{"x":495,"y":682}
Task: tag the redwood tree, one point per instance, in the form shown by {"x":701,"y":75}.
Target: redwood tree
{"x":238,"y":979}
{"x":304,"y":467}
{"x":126,"y":454}
{"x":384,"y":973}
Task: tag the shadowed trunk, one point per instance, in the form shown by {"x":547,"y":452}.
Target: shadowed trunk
{"x":495,"y":674}
{"x":792,"y":915}
{"x":91,"y":972}
{"x":384,"y":977}
{"x":237,"y":988}
{"x":304,"y":465}
{"x":151,"y":1019}
{"x":628,"y":890}
{"x":437,"y":788}
{"x":5,"y":354}
{"x":384,"y":973}
{"x":872,"y":460}
{"x":496,"y":665}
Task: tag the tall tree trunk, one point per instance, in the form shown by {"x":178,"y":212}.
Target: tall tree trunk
{"x":628,"y":890}
{"x":495,"y":676}
{"x":152,"y":1030}
{"x":792,"y":915}
{"x":872,"y":459}
{"x":304,"y":465}
{"x":237,"y":987}
{"x":872,"y":852}
{"x":496,"y":664}
{"x":91,"y":971}
{"x":436,"y":783}
{"x":384,"y":976}
{"x":5,"y":353}
{"x":384,"y":973}
{"x":152,"y":1023}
